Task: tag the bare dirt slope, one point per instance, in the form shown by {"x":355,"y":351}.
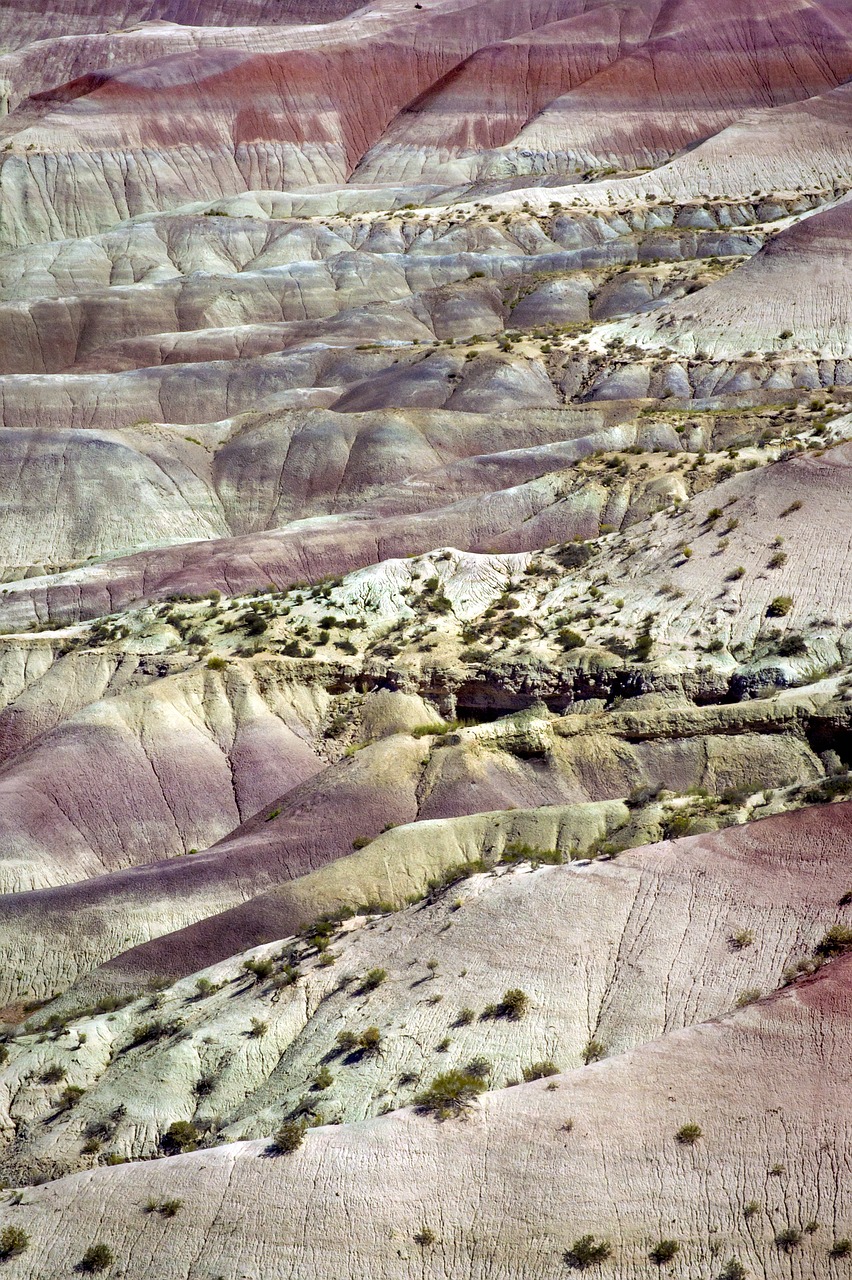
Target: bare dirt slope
{"x":599,"y":1147}
{"x":606,"y":954}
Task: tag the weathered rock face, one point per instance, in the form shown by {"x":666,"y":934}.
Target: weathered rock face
{"x":425,"y":619}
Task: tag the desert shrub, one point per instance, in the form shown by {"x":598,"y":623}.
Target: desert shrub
{"x":289,"y":1137}
{"x":52,"y":1074}
{"x":834,"y":942}
{"x":13,"y":1240}
{"x":215,"y":663}
{"x":205,"y":1085}
{"x":289,"y":974}
{"x":573,"y":555}
{"x":794,"y":506}
{"x":587,"y":1252}
{"x":664,"y":1251}
{"x":464,"y":1017}
{"x":452,"y":876}
{"x":641,"y":795}
{"x":473,"y":653}
{"x":540,"y":1070}
{"x":259,"y":967}
{"x":788,"y":1239}
{"x":103,"y":1127}
{"x":520,"y":852}
{"x":514,"y":1004}
{"x":792,"y":647}
{"x":440,"y":603}
{"x":450,"y":1094}
{"x":254,"y":623}
{"x":323,"y":1079}
{"x":434,"y":729}
{"x":511,"y":628}
{"x":688,"y":1134}
{"x":96,"y":1258}
{"x":779,"y":607}
{"x":479,"y":1067}
{"x":180,"y":1136}
{"x":320,"y":932}
{"x":346,"y":1041}
{"x":371,"y":981}
{"x":840,"y":1248}
{"x":747,"y":997}
{"x":69,"y":1097}
{"x":370,"y":1041}
{"x":643,"y":646}
{"x":736,"y":795}
{"x":424,"y":1237}
{"x":569,"y":639}
{"x":149,"y":1032}
{"x":166,"y":1208}
{"x":677,"y":825}
{"x":593,"y":1052}
{"x":829,"y":789}
{"x":258,"y":1029}
{"x":733,"y":1270}
{"x":741,"y":939}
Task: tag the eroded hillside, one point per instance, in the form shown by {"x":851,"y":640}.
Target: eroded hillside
{"x":425,"y":639}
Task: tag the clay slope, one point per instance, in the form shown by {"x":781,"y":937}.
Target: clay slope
{"x":585,"y":942}
{"x":22,"y":23}
{"x":150,"y":774}
{"x":792,"y":295}
{"x":633,"y":88}
{"x":516,"y":520}
{"x":485,"y":1209}
{"x":323,"y":98}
